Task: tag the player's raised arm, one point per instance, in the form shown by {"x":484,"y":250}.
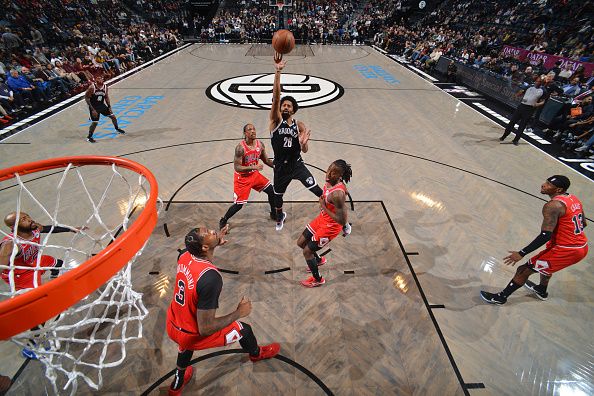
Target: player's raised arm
{"x":275,"y":113}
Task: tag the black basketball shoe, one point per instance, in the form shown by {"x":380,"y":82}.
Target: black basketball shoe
{"x":493,"y":298}
{"x":533,"y":287}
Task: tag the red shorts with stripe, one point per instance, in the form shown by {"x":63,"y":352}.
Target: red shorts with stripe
{"x":323,"y":231}
{"x":195,"y":342}
{"x":24,"y":280}
{"x":243,"y":184}
{"x":556,"y":258}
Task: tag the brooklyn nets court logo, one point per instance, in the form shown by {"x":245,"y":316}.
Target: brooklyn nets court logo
{"x":254,"y":91}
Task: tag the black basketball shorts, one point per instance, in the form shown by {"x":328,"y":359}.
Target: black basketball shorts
{"x":104,"y":110}
{"x":284,"y":174}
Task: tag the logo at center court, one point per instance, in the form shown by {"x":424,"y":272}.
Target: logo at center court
{"x":254,"y":91}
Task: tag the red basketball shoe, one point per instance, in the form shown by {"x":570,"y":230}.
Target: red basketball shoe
{"x":312,"y":282}
{"x":267,"y":352}
{"x":187,"y":377}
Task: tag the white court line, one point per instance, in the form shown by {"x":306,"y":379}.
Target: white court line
{"x":482,"y":115}
{"x":120,"y":78}
{"x":502,"y":118}
{"x":423,"y":73}
{"x":379,"y":49}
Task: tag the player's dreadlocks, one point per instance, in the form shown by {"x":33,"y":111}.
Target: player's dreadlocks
{"x":193,"y":242}
{"x":347,"y":172}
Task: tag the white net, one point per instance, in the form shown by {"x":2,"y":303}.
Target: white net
{"x":96,"y":203}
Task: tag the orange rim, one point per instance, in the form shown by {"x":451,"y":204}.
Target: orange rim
{"x":27,"y":310}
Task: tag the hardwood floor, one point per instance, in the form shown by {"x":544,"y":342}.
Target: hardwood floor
{"x":421,"y":162}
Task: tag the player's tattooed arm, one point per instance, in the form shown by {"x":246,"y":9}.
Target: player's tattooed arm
{"x":551,"y":212}
{"x":238,"y":159}
{"x":209,"y":324}
{"x":264,"y":157}
{"x":5,"y":252}
{"x":338,"y":200}
{"x":304,"y":134}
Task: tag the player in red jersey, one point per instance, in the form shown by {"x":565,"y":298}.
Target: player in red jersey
{"x":330,"y":221}
{"x":247,"y":174}
{"x":563,"y":232}
{"x":27,"y":241}
{"x":191,"y":318}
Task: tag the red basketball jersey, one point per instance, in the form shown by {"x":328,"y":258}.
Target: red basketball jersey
{"x":570,"y":227}
{"x":250,"y":155}
{"x":183,"y":308}
{"x":330,"y":206}
{"x":27,"y":255}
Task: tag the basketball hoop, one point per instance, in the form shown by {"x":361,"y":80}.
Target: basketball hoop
{"x":97,"y":259}
{"x":280,"y":5}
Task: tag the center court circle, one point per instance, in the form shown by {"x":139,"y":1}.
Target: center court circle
{"x":254,"y":91}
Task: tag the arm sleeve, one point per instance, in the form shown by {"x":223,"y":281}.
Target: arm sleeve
{"x":540,"y":240}
{"x":208,"y":290}
{"x":57,"y":229}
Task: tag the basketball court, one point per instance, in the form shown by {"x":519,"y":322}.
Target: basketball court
{"x":438,"y":202}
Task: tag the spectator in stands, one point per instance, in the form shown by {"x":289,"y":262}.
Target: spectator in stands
{"x":81,"y":70}
{"x":565,"y":120}
{"x":39,"y":80}
{"x":40,"y":57}
{"x":8,"y":99}
{"x":3,"y":69}
{"x":72,"y":78}
{"x":529,"y":75}
{"x":36,"y":36}
{"x":556,"y":69}
{"x":56,"y":81}
{"x":579,"y":73}
{"x":11,"y":41}
{"x":566,"y":73}
{"x":433,"y":57}
{"x":539,"y":68}
{"x":20,"y":84}
{"x":590,"y":81}
{"x":6,"y":118}
{"x":573,"y":88}
{"x":587,"y":146}
{"x":54,"y":58}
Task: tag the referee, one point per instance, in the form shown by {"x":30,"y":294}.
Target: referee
{"x":532,"y":99}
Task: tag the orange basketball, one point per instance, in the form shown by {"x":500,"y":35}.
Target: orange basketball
{"x":283,"y":41}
